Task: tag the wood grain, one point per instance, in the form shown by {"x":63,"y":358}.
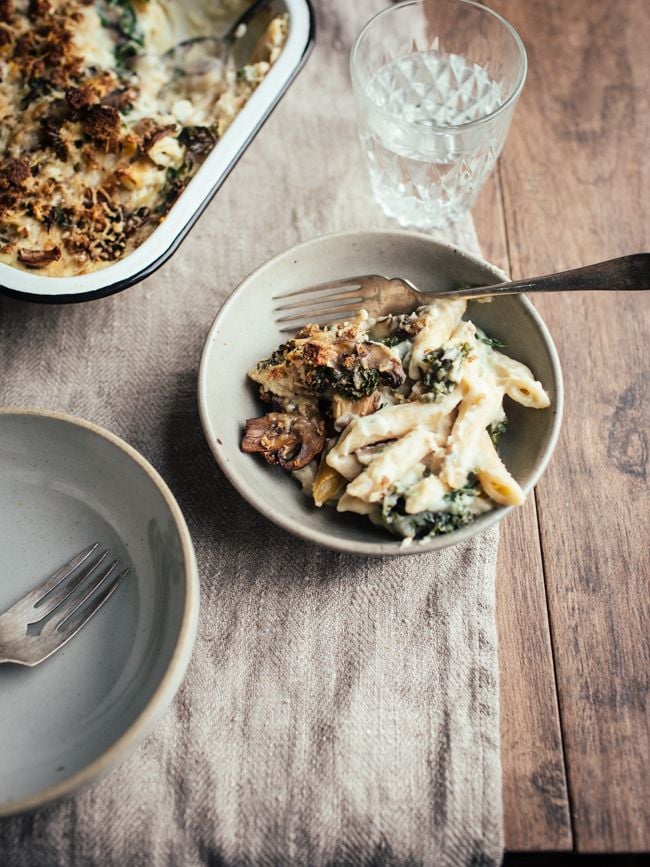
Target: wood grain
{"x":536,"y":806}
{"x":490,"y":224}
{"x":575,"y":191}
{"x":535,"y":799}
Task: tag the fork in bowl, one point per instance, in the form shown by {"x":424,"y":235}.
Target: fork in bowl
{"x":382,"y":296}
{"x":50,"y":615}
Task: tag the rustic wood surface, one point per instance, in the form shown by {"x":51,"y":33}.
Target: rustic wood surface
{"x":572,"y":188}
{"x":536,"y":814}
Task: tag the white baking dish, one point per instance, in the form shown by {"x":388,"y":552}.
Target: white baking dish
{"x":160,"y":245}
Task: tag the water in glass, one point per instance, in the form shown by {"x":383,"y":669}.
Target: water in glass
{"x":426,"y":167}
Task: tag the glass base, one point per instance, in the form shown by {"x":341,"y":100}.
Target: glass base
{"x":412,"y":213}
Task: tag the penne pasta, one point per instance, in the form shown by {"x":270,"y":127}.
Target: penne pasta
{"x":417,"y":453}
{"x":495,"y":479}
{"x":518,"y":381}
{"x":349,"y":466}
{"x":392,"y":422}
{"x":479,"y":406}
{"x":442,"y":318}
{"x":391,"y":464}
{"x":348,"y":503}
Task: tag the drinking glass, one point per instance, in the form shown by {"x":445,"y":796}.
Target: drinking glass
{"x":436,"y":83}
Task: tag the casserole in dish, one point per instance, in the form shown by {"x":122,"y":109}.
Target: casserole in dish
{"x":119,"y":143}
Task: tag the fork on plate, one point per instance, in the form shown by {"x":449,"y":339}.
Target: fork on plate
{"x":381,"y":296}
{"x":50,"y":615}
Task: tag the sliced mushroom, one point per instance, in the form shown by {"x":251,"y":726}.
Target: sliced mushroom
{"x":149,"y":132}
{"x":199,"y":140}
{"x":379,"y":357}
{"x":288,"y":439}
{"x":38,"y":258}
{"x":121,"y":98}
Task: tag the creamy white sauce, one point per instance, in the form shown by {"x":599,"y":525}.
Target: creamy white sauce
{"x":417,"y":455}
{"x":92,"y":40}
{"x":132,"y":163}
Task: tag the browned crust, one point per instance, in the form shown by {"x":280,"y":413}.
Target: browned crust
{"x":38,"y":9}
{"x":79,"y":98}
{"x":13,"y":173}
{"x":6,"y":11}
{"x":101,"y":123}
{"x":67,"y":118}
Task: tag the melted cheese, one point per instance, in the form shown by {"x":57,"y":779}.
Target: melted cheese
{"x":100,"y":131}
{"x":427,"y":495}
{"x":92,"y":40}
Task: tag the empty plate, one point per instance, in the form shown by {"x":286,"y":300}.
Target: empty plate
{"x":64,"y":484}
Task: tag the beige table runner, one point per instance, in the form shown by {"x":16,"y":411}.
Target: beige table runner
{"x":337,"y":710}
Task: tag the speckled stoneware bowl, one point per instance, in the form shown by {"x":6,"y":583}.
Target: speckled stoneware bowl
{"x":244,"y":331}
{"x":65,"y":483}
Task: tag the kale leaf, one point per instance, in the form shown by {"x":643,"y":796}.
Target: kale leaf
{"x":198,"y":140}
{"x":277,"y":357}
{"x":391,"y":340}
{"x":121,"y":17}
{"x":497,"y":429}
{"x":492,"y":342}
{"x":444,"y":368}
{"x":457,"y":514}
{"x":354,"y":382}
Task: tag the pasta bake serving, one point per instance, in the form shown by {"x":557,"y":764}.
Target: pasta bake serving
{"x":104,"y":119}
{"x":397,"y":418}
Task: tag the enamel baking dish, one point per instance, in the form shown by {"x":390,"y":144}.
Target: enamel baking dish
{"x":164,"y":240}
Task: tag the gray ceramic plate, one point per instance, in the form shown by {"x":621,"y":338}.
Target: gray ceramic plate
{"x":65,"y":483}
{"x":244,"y":331}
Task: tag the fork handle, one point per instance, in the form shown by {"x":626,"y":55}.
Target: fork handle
{"x":623,"y":274}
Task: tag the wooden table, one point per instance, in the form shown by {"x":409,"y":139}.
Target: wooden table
{"x":572,"y":188}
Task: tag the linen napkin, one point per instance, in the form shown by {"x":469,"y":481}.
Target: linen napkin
{"x":337,"y":710}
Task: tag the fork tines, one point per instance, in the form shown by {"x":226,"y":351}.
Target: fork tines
{"x":314,"y":301}
{"x":71,"y":586}
{"x":327,"y":286}
{"x":46,"y":618}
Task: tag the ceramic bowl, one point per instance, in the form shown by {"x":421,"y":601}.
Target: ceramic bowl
{"x":65,"y":483}
{"x":244,"y":331}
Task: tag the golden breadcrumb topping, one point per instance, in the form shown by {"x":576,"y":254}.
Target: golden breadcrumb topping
{"x":100,"y":128}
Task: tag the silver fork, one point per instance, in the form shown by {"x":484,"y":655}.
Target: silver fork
{"x":381,"y":296}
{"x":48,"y":617}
